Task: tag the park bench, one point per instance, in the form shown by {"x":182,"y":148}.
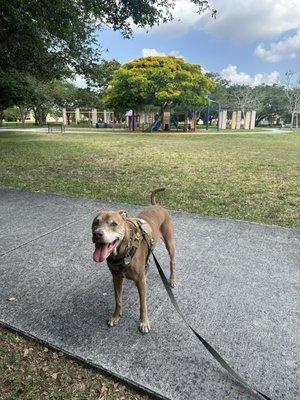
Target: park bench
{"x":52,"y":126}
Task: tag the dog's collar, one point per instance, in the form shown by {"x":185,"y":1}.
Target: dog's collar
{"x":138,"y":231}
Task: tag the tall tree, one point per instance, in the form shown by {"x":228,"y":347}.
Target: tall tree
{"x":272,"y":105}
{"x":49,"y":41}
{"x":66,"y":94}
{"x":158,"y":81}
{"x":52,"y":42}
{"x":244,"y":97}
{"x":292,"y":93}
{"x":42,"y":101}
{"x":101,"y":74}
{"x":15,"y":89}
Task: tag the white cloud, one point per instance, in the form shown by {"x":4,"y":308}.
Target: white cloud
{"x":285,"y":49}
{"x":153,"y":52}
{"x":231,"y":73}
{"x":253,"y":19}
{"x":185,"y":16}
{"x":249,"y":20}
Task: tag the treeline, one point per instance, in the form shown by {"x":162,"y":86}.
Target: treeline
{"x":273,"y":103}
{"x":276,"y":104}
{"x":44,"y":48}
{"x":48,"y":97}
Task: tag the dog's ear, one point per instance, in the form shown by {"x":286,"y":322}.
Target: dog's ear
{"x":123,"y":213}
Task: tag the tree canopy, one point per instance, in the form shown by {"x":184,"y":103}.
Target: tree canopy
{"x":54,"y":41}
{"x":268,"y":100}
{"x":157,"y":81}
{"x":101,"y":74}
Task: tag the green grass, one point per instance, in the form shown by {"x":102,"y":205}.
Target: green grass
{"x":253,"y":177}
{"x":17,"y":124}
{"x":30,"y":371}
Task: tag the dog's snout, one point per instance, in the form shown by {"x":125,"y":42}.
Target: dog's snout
{"x":97,"y":235}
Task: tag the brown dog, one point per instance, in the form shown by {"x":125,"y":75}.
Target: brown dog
{"x":124,"y":243}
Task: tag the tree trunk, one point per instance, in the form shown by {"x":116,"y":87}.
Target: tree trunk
{"x":292,"y":120}
{"x":194,"y":121}
{"x":44,"y":112}
{"x":23,"y":113}
{"x":297,"y":124}
{"x":260,"y":118}
{"x":1,"y":117}
{"x":35,"y":114}
{"x":40,"y":115}
{"x":164,"y":108}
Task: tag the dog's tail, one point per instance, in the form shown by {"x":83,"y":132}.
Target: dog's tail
{"x":153,"y":194}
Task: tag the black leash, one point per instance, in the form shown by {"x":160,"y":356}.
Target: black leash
{"x":212,"y":351}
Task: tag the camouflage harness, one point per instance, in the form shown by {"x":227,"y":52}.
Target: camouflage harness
{"x":139,"y":231}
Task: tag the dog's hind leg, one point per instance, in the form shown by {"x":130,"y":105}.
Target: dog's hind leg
{"x":167,"y":232}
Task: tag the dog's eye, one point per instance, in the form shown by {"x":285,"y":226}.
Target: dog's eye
{"x":113,"y":223}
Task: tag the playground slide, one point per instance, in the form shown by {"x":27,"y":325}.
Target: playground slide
{"x":174,"y":121}
{"x":155,"y":126}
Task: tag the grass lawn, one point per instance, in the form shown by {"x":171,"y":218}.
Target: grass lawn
{"x":253,"y":177}
{"x":30,"y":371}
{"x":17,"y":124}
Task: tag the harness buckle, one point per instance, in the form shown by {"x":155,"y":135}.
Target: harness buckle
{"x":127,"y":260}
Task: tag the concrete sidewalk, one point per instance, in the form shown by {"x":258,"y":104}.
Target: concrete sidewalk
{"x":237,"y":285}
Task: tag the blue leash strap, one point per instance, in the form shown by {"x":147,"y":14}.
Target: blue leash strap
{"x":212,"y":351}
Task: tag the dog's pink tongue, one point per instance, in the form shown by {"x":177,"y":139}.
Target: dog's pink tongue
{"x":101,"y":252}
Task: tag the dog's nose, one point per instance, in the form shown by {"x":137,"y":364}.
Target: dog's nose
{"x":97,"y":235}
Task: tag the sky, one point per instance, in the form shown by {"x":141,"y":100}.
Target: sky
{"x":250,"y":41}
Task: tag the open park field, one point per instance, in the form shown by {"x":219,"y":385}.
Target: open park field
{"x":101,"y":102}
{"x":252,"y":177}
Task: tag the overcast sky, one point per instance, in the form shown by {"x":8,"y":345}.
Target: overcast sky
{"x":250,"y":41}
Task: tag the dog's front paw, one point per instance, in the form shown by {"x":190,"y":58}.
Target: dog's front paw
{"x":144,"y":327}
{"x":113,"y":320}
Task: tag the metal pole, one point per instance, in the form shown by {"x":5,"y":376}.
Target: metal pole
{"x":194,"y":121}
{"x":207,"y":115}
{"x":133,"y":122}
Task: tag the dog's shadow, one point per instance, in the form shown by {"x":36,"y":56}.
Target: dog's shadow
{"x":80,"y":318}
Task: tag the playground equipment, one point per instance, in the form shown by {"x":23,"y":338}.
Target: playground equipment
{"x":165,"y":121}
{"x":132,"y":120}
{"x":156,"y":125}
{"x":236,"y":119}
{"x":209,"y":100}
